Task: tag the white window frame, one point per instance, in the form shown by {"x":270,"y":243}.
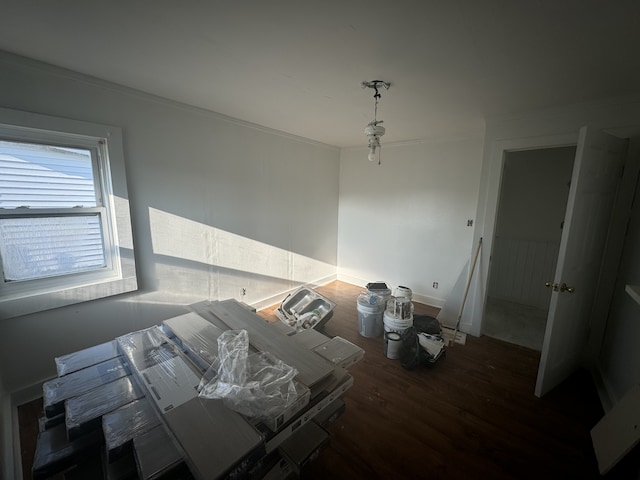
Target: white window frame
{"x":119,"y":276}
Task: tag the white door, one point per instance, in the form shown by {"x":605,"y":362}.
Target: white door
{"x":594,"y":183}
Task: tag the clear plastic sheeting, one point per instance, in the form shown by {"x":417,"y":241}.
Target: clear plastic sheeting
{"x":255,"y":385}
{"x":147,"y":347}
{"x":75,"y":361}
{"x":56,"y":391}
{"x":126,"y":423}
{"x":83,"y":412}
{"x":169,"y":378}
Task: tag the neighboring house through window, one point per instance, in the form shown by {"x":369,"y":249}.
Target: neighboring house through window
{"x":65,"y":228}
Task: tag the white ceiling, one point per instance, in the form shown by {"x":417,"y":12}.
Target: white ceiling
{"x":297,"y":65}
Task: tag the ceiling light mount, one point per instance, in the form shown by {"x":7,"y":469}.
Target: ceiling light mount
{"x":374,"y":130}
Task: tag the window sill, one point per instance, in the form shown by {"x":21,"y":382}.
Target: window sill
{"x":45,"y":301}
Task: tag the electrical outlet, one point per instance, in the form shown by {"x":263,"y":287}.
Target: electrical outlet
{"x":469,"y":223}
{"x":435,"y":285}
{"x":243,"y":292}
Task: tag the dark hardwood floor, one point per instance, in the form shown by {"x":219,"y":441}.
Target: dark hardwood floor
{"x":472,"y":415}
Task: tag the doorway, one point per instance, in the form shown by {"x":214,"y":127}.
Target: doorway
{"x":533,"y":197}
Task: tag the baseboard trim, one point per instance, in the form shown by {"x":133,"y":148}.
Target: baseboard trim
{"x":359,"y":282}
{"x":431,"y":301}
{"x":417,"y":297}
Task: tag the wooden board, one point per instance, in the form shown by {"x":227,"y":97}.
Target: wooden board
{"x":618,"y":432}
{"x":311,"y":367}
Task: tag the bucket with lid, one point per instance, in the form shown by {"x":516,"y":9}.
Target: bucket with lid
{"x":370,"y":309}
{"x":380,"y":289}
{"x":402,"y":291}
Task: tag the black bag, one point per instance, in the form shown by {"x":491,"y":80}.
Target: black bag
{"x":412,"y":355}
{"x":427,"y":324}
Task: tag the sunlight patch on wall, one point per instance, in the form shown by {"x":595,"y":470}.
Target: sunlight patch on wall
{"x":181,"y":238}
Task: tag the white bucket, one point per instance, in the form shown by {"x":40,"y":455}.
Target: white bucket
{"x":380,"y":289}
{"x":369,"y":317}
{"x":403,"y":292}
{"x":392,"y":343}
{"x":400,"y":307}
{"x":394,"y":324}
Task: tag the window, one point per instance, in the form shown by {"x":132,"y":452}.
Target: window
{"x":65,"y":232}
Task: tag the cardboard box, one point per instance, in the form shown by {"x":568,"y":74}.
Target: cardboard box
{"x":157,"y":456}
{"x":72,"y":362}
{"x":310,"y":338}
{"x":232,"y":445}
{"x":283,"y":328}
{"x":124,"y":468}
{"x":340,"y":352}
{"x":84,"y":412}
{"x":197,"y":336}
{"x":304,"y":445}
{"x":216,"y":441}
{"x":55,"y":453}
{"x":316,"y":406}
{"x":45,"y":423}
{"x":276,"y":422}
{"x":122,"y":425}
{"x":330,"y":414}
{"x":280,"y":470}
{"x":56,"y":391}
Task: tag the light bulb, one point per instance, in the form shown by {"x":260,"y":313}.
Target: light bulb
{"x":372,"y":154}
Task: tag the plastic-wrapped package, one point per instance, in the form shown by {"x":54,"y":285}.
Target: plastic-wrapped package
{"x":55,"y":453}
{"x":146,"y":348}
{"x":85,"y":358}
{"x":157,"y":456}
{"x":197,"y":335}
{"x":121,"y":426}
{"x":161,"y":368}
{"x":214,"y":438}
{"x":257,"y":385}
{"x":56,"y":391}
{"x":84,"y":412}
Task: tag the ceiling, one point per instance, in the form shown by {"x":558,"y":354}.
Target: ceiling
{"x":297,"y":65}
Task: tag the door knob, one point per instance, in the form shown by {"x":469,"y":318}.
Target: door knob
{"x":556,"y":287}
{"x":565,"y":288}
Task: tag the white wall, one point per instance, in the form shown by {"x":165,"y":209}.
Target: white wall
{"x":405,"y":221}
{"x":217,"y":205}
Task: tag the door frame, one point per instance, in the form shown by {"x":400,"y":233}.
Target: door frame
{"x":474,"y":316}
{"x":494,"y":184}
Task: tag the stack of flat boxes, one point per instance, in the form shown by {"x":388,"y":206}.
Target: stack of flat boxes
{"x":91,"y":385}
{"x":135,"y":401}
{"x":322,"y":380}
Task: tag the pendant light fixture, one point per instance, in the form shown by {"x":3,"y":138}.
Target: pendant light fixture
{"x":374,"y":130}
